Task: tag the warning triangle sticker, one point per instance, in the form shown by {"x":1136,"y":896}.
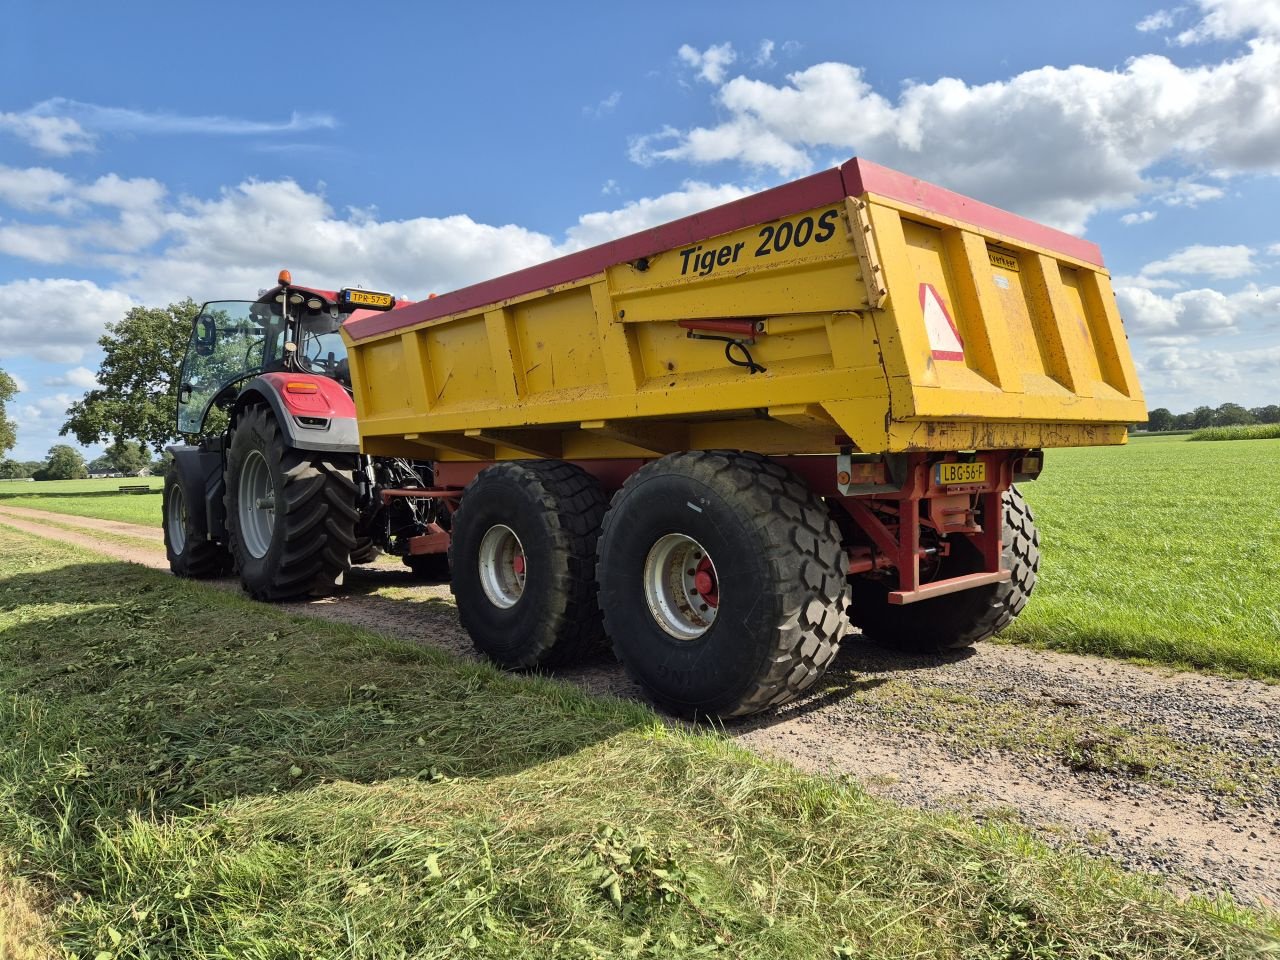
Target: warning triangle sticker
{"x":944,"y":339}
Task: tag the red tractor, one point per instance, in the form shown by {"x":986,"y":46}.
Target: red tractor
{"x":276,"y":487}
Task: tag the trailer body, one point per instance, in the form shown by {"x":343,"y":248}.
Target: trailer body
{"x":880,"y":314}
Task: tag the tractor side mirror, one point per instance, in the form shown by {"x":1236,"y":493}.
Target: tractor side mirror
{"x":206,"y":336}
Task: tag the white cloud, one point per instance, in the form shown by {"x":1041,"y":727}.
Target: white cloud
{"x":711,"y":63}
{"x":1056,"y":144}
{"x":693,"y":197}
{"x":1203,"y":311}
{"x":1224,"y":262}
{"x":1233,"y":19}
{"x":1189,"y":375}
{"x":610,"y":188}
{"x":1160,"y":20}
{"x":57,"y":136}
{"x":60,"y":126}
{"x":35,"y":189}
{"x":1274,"y":250}
{"x":81,"y":377}
{"x":1142,"y":216}
{"x":1189,"y":193}
{"x":56,"y":320}
{"x":764,"y":55}
{"x":605,"y":106}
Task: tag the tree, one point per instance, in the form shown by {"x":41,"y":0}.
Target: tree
{"x":1202,"y":417}
{"x":64,"y":463}
{"x":8,"y":432}
{"x":137,"y":399}
{"x":1159,"y":419}
{"x":1267,"y":414}
{"x":101,"y":464}
{"x":1230,"y":414}
{"x":127,"y":457}
{"x":16,"y":469}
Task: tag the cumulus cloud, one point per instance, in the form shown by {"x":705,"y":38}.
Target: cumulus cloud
{"x":1224,"y":262}
{"x":764,"y":54}
{"x":57,"y":320}
{"x":1142,"y":216}
{"x":1057,"y":144}
{"x":56,"y":136}
{"x":712,"y":63}
{"x":1191,"y":374}
{"x":605,"y":106}
{"x":1160,"y":20}
{"x":1233,"y":19}
{"x":1200,"y":312}
{"x":693,"y":197}
{"x":80,"y":377}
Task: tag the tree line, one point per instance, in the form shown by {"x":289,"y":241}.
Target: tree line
{"x":1226,"y":415}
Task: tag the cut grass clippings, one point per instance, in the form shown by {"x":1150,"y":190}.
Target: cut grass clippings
{"x":184,"y":773}
{"x":1160,"y":551}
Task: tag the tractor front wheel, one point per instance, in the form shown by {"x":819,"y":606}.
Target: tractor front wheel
{"x":291,"y":513}
{"x":191,"y":553}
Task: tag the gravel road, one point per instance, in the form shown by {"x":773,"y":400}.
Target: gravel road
{"x":1171,"y":773}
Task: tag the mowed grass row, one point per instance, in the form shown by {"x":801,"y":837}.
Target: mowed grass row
{"x":99,"y":498}
{"x":1161,"y":550}
{"x":184,"y":773}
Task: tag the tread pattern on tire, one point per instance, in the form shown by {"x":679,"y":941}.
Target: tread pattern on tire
{"x":574,"y":503}
{"x":319,"y":514}
{"x":365,"y":551}
{"x":809,"y":567}
{"x":201,"y":558}
{"x":960,"y":620}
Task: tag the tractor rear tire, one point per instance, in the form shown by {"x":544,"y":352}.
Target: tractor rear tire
{"x":956,"y":621}
{"x":291,"y":514}
{"x":723,"y":583}
{"x":191,"y":553}
{"x":522,"y":557}
{"x":365,"y":551}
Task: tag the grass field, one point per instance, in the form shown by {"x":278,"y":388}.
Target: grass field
{"x":1161,"y":550}
{"x":184,"y":773}
{"x":89,"y":498}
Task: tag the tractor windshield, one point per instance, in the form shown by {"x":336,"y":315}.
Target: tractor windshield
{"x":230,"y":340}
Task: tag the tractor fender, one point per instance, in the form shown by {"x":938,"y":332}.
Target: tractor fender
{"x":201,"y":469}
{"x":314,"y":412}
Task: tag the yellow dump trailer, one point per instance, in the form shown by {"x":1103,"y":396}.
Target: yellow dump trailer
{"x":808,"y":406}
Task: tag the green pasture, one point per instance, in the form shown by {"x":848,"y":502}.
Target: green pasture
{"x":89,"y":498}
{"x":1161,"y":550}
{"x":185,"y":773}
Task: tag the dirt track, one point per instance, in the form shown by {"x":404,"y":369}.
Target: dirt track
{"x":1167,"y":772}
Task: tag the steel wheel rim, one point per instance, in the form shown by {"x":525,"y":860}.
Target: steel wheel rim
{"x":257,"y":507}
{"x":681,"y":586}
{"x":502,"y":566}
{"x":177,"y":518}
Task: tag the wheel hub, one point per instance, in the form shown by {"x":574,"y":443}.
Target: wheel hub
{"x":257,"y":512}
{"x":177,"y":518}
{"x":502,"y":566}
{"x":681,"y":586}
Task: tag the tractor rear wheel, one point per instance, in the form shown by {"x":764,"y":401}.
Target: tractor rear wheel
{"x":190,"y":552}
{"x":291,"y":513}
{"x":956,"y":621}
{"x":522,"y":557}
{"x":723,"y":583}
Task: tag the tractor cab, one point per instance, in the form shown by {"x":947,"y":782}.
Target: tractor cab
{"x":288,"y":329}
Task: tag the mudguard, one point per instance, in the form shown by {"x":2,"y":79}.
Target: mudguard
{"x":201,"y":469}
{"x":314,"y":412}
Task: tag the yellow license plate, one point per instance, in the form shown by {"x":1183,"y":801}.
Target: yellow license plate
{"x":950,"y":474}
{"x":368,"y":299}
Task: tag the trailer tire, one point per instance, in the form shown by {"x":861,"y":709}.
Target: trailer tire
{"x":771,"y":556}
{"x":304,"y":549}
{"x":956,"y":621}
{"x":522,"y":557}
{"x":191,"y":553}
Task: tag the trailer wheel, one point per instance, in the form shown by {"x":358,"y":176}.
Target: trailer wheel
{"x":957,"y":620}
{"x":291,"y":514}
{"x":191,"y":553}
{"x":722,"y":582}
{"x":522,"y":562}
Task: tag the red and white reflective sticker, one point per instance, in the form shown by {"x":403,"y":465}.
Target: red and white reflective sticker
{"x":944,"y":338}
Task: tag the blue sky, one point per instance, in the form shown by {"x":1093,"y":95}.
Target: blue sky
{"x":151,"y":151}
